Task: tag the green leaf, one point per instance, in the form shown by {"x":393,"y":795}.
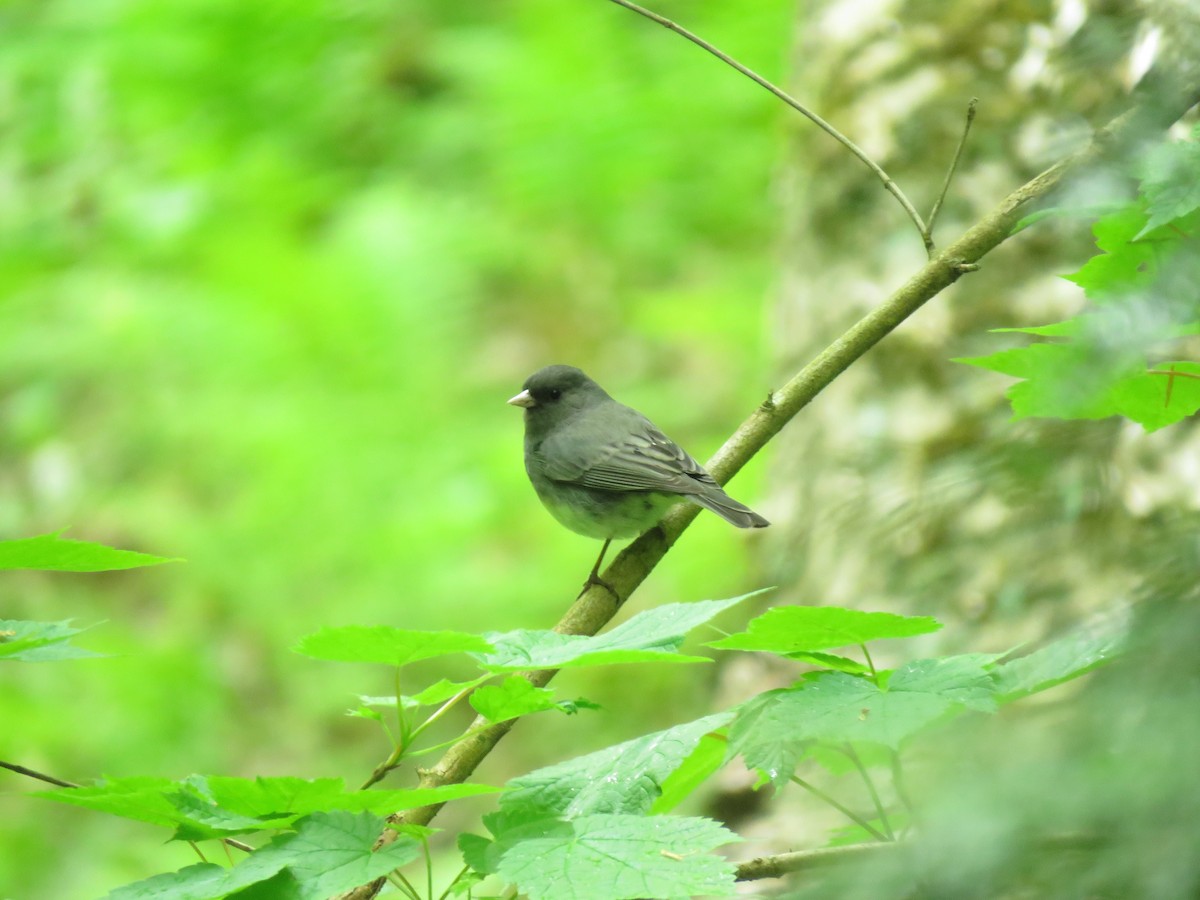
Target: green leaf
{"x":1063,"y":660}
{"x":1061,"y":380}
{"x":515,"y":697}
{"x":201,"y":819}
{"x":606,"y":857}
{"x":202,"y":807}
{"x":329,"y":853}
{"x":964,"y":679}
{"x":39,"y":641}
{"x":386,"y":645}
{"x":50,"y":552}
{"x":203,"y":881}
{"x":1171,"y":183}
{"x":632,"y":773}
{"x":796,"y":629}
{"x":651,"y":636}
{"x":708,"y":756}
{"x":1125,"y":263}
{"x":1141,"y":293}
{"x":774,"y":730}
{"x":143,"y":799}
{"x":1154,"y":399}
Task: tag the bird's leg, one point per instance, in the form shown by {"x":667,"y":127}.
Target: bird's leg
{"x":594,"y":575}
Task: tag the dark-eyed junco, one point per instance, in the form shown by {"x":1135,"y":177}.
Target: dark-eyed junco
{"x":605,"y":470}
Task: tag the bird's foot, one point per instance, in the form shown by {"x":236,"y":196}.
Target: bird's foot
{"x":595,"y":580}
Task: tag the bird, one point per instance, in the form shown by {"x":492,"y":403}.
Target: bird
{"x":603,"y":469}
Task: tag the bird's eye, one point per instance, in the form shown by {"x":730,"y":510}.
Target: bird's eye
{"x":555,"y":393}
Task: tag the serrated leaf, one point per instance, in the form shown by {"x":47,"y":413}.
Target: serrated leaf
{"x":1061,"y":380}
{"x":40,"y":641}
{"x":632,"y":774}
{"x":512,"y":698}
{"x":199,"y":807}
{"x":774,"y":730}
{"x":50,"y":552}
{"x":386,"y":645}
{"x":328,"y":853}
{"x":333,"y":852}
{"x":1154,"y":399}
{"x":651,"y":636}
{"x":300,"y":796}
{"x":1058,"y":662}
{"x":200,"y":819}
{"x":203,"y":881}
{"x":1141,"y":293}
{"x":1171,"y":183}
{"x":963,"y":679}
{"x":609,"y":857}
{"x":794,"y":629}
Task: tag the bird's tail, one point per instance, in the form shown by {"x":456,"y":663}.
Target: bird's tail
{"x":729,"y":509}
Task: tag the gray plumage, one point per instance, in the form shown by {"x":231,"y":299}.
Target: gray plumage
{"x":605,"y":470}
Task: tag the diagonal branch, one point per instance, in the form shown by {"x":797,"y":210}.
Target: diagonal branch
{"x":596,"y":606}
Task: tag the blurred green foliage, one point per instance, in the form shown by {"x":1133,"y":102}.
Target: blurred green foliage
{"x":267,"y":273}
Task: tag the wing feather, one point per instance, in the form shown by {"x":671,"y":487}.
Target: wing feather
{"x":643,"y":460}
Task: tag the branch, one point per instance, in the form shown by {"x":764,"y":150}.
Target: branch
{"x":807,"y":860}
{"x":596,"y":606}
{"x":884,"y":177}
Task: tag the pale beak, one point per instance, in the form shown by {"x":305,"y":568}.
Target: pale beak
{"x":524,"y":399}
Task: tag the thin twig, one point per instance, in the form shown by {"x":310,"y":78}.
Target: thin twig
{"x":927,"y":234}
{"x":870,"y":662}
{"x":40,"y":776}
{"x":884,"y":177}
{"x":844,"y":810}
{"x":806,"y":860}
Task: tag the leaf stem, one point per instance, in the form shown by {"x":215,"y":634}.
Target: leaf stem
{"x":428,"y":867}
{"x":446,"y":893}
{"x":898,"y":785}
{"x":870,"y":662}
{"x":445,"y":708}
{"x":849,"y":750}
{"x":403,"y":884}
{"x":844,"y":810}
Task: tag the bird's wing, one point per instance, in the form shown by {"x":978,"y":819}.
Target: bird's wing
{"x":642,"y":459}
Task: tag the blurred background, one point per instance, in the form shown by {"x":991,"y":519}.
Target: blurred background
{"x":269,"y":271}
